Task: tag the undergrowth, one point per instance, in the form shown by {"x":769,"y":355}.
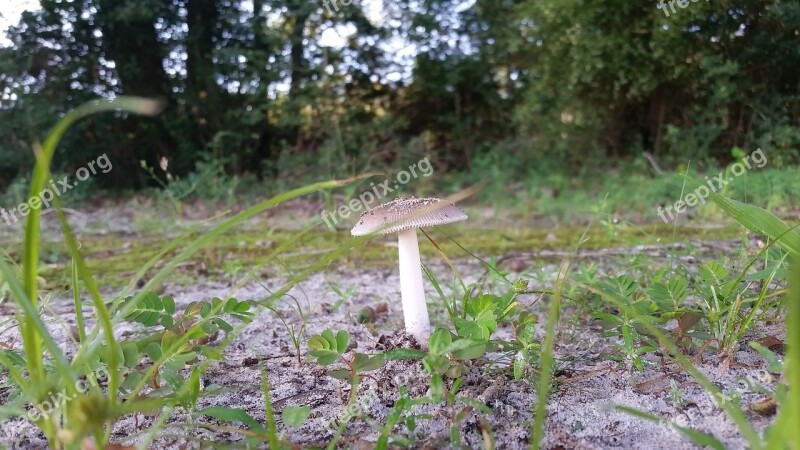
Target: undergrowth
{"x":683,"y":313}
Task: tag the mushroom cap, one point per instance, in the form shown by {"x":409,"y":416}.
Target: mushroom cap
{"x":406,"y":214}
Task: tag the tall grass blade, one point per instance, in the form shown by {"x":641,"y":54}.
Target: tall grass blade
{"x":41,"y":173}
{"x":699,"y":438}
{"x":545,"y":377}
{"x":758,"y":220}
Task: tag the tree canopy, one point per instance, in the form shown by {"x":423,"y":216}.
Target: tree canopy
{"x":264,"y":84}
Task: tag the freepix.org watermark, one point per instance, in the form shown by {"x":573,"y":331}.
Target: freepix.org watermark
{"x":59,"y":400}
{"x":671,"y":3}
{"x":330,"y":5}
{"x":756,"y":159}
{"x":56,"y":189}
{"x":377,"y":192}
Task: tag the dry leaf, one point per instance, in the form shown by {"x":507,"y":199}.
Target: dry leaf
{"x":774,"y":344}
{"x":766,"y":407}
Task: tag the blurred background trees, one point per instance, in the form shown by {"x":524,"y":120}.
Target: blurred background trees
{"x":278,"y":88}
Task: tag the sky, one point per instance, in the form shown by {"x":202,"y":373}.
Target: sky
{"x":10,"y":10}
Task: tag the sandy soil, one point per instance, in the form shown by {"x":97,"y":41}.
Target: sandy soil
{"x":579,"y":414}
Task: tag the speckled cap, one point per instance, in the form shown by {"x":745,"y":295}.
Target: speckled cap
{"x":407,"y":213}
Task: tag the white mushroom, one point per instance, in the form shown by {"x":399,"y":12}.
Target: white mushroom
{"x":403,"y":216}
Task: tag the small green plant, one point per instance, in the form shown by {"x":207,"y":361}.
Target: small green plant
{"x":628,"y":320}
{"x":85,"y":410}
{"x":296,"y":331}
{"x":342,"y":295}
{"x":784,"y":433}
{"x":723,"y":306}
{"x":327,"y":348}
{"x":480,"y":314}
{"x":197,"y":324}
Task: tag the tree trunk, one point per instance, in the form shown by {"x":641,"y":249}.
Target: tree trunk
{"x":130,"y":40}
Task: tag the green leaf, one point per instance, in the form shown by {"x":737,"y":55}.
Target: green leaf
{"x":294,"y":416}
{"x":149,"y":310}
{"x":330,"y":339}
{"x":230,"y":415}
{"x":211,"y":353}
{"x":14,"y":357}
{"x":439,"y":340}
{"x":758,"y":220}
{"x":464,"y":349}
{"x":192,"y":309}
{"x":167,"y":340}
{"x":209,"y":328}
{"x":477,"y":305}
{"x":437,"y":387}
{"x":170,"y":374}
{"x":193,"y":392}
{"x":775,"y":364}
{"x":339,"y":374}
{"x":342,"y":339}
{"x":402,"y":354}
{"x":697,"y":437}
{"x":205,"y":310}
{"x":325,"y":357}
{"x":480,"y":327}
{"x":225,"y":326}
{"x":153,"y":350}
{"x":169,"y":305}
{"x":713,"y":273}
{"x":436,"y":364}
{"x":167,"y":321}
{"x":610,"y":318}
{"x":131,"y":380}
{"x":625,"y":285}
{"x":317,"y":342}
{"x":520,"y":364}
{"x":365,"y":363}
{"x":671,"y":295}
{"x":230,"y":305}
{"x":130,"y":354}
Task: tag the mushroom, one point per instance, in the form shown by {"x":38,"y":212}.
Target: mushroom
{"x":403,"y":216}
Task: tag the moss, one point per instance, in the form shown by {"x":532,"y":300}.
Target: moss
{"x":115,"y":259}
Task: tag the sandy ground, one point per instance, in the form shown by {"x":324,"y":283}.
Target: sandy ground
{"x":579,"y":414}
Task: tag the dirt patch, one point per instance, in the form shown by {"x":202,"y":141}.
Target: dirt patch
{"x":579,"y":410}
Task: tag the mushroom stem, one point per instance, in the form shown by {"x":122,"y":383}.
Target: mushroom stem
{"x":415,"y":310}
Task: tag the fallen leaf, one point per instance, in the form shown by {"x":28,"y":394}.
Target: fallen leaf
{"x":774,"y":344}
{"x":766,"y":407}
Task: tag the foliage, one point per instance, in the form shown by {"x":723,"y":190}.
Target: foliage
{"x":327,"y":348}
{"x":713,"y":306}
{"x":260,"y":88}
{"x":84,"y":409}
{"x":199,"y":323}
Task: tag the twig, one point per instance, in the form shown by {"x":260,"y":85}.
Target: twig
{"x":653,"y":162}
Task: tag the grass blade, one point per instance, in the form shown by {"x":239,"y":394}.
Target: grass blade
{"x":702,"y":439}
{"x":758,"y":220}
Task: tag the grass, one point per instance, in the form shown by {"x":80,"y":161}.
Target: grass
{"x":162,"y":372}
{"x":115,"y":259}
{"x":94,"y":414}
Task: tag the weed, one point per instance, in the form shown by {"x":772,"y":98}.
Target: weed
{"x":296,"y":332}
{"x":83,"y":408}
{"x":342,"y":295}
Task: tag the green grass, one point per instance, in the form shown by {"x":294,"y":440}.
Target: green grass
{"x":114,"y":259}
{"x":94,"y":414}
{"x":637,"y":304}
